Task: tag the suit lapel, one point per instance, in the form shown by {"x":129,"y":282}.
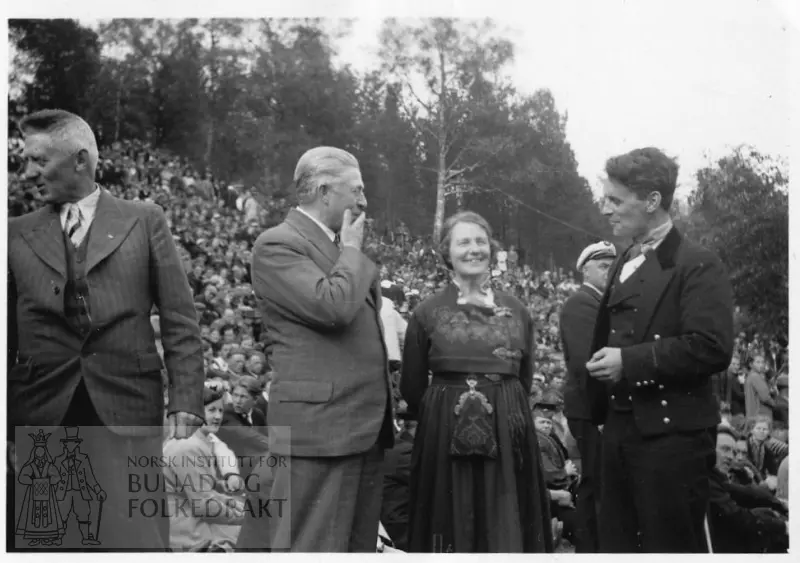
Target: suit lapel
{"x":109,"y":229}
{"x":47,"y":241}
{"x":655,"y":275}
{"x":314,"y":234}
{"x":601,"y":326}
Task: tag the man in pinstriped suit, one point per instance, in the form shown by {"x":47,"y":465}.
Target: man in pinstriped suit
{"x":83,"y":275}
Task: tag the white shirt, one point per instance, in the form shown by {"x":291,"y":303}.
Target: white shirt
{"x":87,"y":206}
{"x":652,"y":241}
{"x":394,"y":329}
{"x":502,"y":257}
{"x":325,"y":228}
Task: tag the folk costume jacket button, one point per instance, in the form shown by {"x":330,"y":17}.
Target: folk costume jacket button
{"x":663,"y":403}
{"x":630,"y":398}
{"x":666,"y":421}
{"x":661,"y":387}
{"x":613,"y":397}
{"x":638,"y":384}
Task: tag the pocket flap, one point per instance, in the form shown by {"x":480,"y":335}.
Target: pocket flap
{"x":303,"y":391}
{"x":150,"y":362}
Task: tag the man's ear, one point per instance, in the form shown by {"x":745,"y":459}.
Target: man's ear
{"x":653,"y":202}
{"x":82,"y":163}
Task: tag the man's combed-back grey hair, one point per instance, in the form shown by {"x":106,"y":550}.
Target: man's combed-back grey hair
{"x":67,"y":131}
{"x":316,"y":166}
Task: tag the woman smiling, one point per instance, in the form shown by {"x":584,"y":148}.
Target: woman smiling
{"x":476,"y":482}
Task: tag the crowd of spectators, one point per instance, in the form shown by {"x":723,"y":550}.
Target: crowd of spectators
{"x":215,"y":225}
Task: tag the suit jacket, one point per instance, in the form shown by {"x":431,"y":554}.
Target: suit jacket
{"x":321,"y":307}
{"x":132,"y":264}
{"x":578,"y":316}
{"x":248,"y":442}
{"x":683,"y":335}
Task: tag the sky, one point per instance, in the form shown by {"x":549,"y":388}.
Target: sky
{"x":694,"y":78}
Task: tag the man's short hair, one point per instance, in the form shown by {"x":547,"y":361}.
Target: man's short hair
{"x":67,"y":130}
{"x":644,"y":171}
{"x":316,"y":164}
{"x":725,"y":429}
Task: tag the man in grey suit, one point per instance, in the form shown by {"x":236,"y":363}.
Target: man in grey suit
{"x":321,"y":301}
{"x":577,"y":329}
{"x":84,"y":273}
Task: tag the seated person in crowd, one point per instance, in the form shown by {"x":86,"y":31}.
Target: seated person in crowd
{"x":783,"y":481}
{"x":244,"y":427}
{"x":202,"y":515}
{"x":560,"y":473}
{"x":396,"y":485}
{"x":742,"y":470}
{"x":781,"y":411}
{"x":765,"y":452}
{"x":742,"y":519}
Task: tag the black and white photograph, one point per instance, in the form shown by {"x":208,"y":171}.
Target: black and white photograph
{"x":440,"y":277}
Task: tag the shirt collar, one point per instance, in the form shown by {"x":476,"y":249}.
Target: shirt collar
{"x":656,"y":236}
{"x":325,"y":229}
{"x":587,"y":284}
{"x":485,"y":292}
{"x":87,"y":205}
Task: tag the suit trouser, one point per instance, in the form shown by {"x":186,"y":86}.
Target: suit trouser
{"x":119,"y":527}
{"x":654,"y":491}
{"x":587,"y":494}
{"x":334,"y":506}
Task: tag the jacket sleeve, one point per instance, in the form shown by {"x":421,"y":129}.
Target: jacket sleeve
{"x":577,"y":330}
{"x":555,"y":473}
{"x":323,"y":301}
{"x":414,"y":378}
{"x":180,"y":331}
{"x":704,"y":345}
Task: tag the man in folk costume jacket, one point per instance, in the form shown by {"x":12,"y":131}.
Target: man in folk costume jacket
{"x":320,"y":302}
{"x":83,"y":275}
{"x":577,"y":328}
{"x":665,"y":326}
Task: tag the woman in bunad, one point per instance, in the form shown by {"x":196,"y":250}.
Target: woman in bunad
{"x":476,"y":477}
{"x":205,"y":507}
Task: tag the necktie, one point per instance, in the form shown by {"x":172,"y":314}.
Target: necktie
{"x":73,"y":224}
{"x":635,"y":258}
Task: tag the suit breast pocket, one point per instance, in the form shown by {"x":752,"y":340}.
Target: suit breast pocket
{"x":302,"y":392}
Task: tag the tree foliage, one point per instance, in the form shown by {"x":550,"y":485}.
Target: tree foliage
{"x":740,"y":210}
{"x":436,"y":127}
